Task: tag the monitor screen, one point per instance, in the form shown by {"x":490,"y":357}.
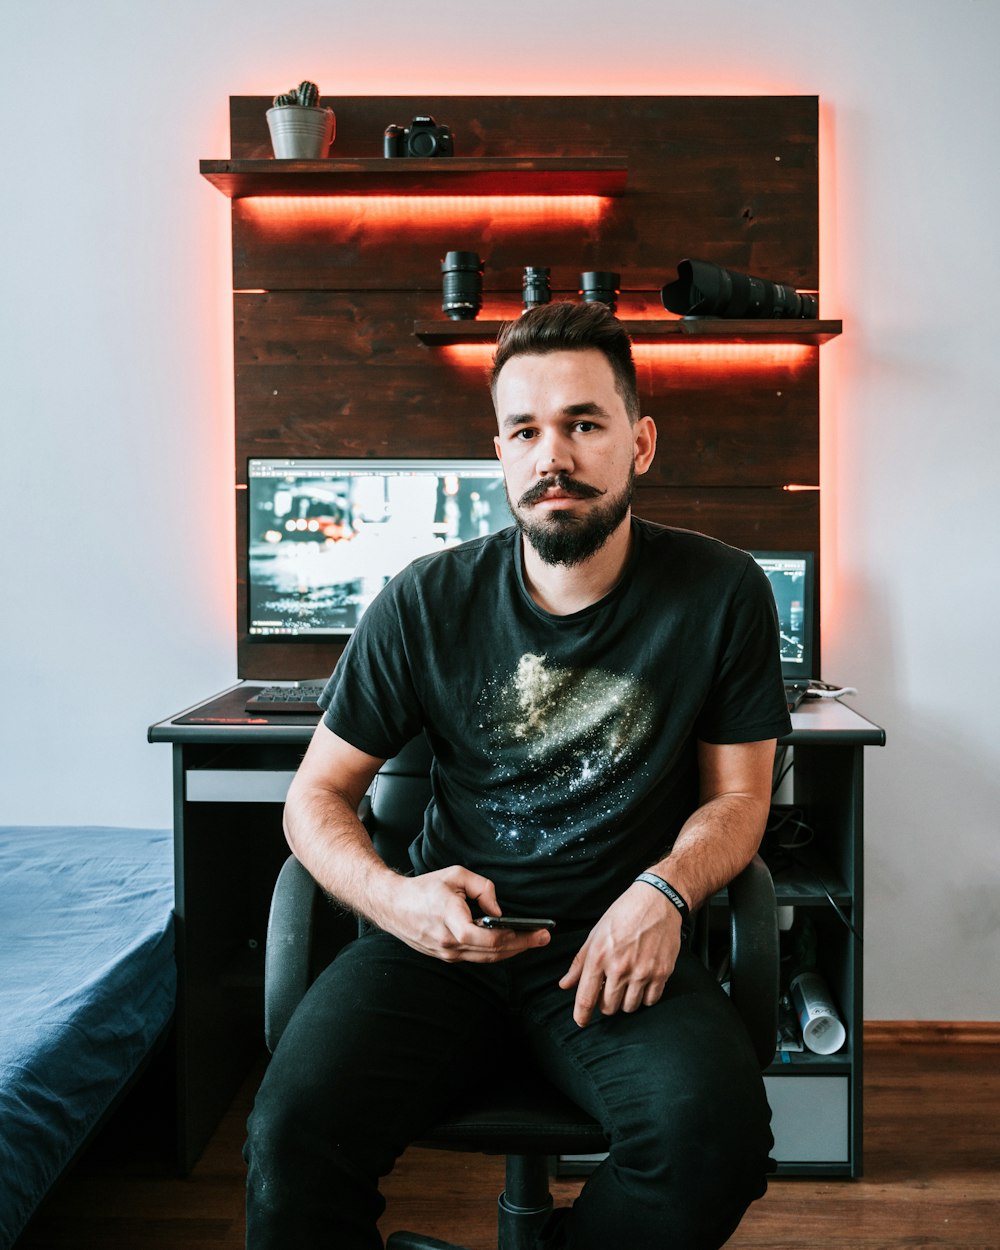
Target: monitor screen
{"x":791,"y":576}
{"x":326,"y":535}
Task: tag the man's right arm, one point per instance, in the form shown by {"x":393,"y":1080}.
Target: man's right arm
{"x":429,"y":912}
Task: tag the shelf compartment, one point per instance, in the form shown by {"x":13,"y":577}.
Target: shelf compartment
{"x":448,"y":175}
{"x":804,"y":1062}
{"x":655,"y":330}
{"x":801,"y":882}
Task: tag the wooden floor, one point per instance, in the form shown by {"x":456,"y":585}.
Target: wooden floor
{"x":932,"y":1177}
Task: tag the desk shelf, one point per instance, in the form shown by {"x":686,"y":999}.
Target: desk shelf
{"x":448,"y":175}
{"x":804,"y":1061}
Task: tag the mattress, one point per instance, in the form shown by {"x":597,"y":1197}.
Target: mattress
{"x":87,"y":985}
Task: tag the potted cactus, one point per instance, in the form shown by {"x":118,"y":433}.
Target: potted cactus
{"x":300,"y":128}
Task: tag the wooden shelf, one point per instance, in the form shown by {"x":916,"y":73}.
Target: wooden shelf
{"x":696,"y":330}
{"x":447,"y":175}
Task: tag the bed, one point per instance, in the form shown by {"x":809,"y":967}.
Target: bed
{"x":87,"y":986}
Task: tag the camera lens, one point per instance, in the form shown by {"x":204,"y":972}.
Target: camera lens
{"x":422,"y":142}
{"x":391,"y":140}
{"x":536,"y":286}
{"x":599,"y":286}
{"x":703,"y":289}
{"x":462,"y":285}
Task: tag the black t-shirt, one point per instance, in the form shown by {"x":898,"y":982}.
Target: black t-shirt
{"x":564,"y":746}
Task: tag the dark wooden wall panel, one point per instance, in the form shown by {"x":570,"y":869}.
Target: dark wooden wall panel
{"x":729,"y":179}
{"x":328,"y":290}
{"x":342,"y":374}
{"x":755,"y":519}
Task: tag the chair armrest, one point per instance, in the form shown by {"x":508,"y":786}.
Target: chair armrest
{"x":289,"y":943}
{"x":753,"y":919}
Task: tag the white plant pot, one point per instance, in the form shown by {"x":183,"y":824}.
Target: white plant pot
{"x":299,"y":133}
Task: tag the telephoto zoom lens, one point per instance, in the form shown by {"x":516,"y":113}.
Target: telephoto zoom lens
{"x":536,"y":286}
{"x":462,"y":285}
{"x":599,"y":286}
{"x":704,"y":289}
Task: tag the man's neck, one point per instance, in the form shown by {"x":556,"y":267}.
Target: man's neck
{"x":563,"y":589}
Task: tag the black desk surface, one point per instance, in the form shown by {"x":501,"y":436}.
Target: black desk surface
{"x":224,"y":718}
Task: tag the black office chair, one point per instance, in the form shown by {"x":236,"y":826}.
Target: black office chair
{"x":520,"y":1115}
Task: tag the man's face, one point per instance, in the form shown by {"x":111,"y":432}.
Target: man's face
{"x":568,"y":450}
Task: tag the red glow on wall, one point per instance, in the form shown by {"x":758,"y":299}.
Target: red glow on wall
{"x":700,"y":357}
{"x":459,"y":211}
{"x":721,"y":357}
{"x":690,"y":357}
{"x":468,"y":355}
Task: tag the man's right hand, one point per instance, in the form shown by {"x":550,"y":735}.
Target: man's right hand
{"x":431,"y":913}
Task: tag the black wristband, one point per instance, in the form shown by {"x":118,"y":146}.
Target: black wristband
{"x":668,"y":891}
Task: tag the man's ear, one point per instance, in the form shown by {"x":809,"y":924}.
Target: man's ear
{"x":496,"y":446}
{"x":645,"y":444}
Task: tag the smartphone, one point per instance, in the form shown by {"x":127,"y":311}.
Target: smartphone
{"x":515,"y":922}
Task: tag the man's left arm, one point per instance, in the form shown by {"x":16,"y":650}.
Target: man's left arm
{"x":631,"y":951}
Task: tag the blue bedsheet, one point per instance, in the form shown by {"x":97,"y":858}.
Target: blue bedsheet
{"x":87,"y":983}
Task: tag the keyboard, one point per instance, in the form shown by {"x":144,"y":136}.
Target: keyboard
{"x":302,"y":698}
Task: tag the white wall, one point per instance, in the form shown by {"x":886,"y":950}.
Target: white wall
{"x":117,"y":392}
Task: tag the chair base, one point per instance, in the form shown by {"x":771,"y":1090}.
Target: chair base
{"x":417,"y":1241}
{"x":522,"y":1210}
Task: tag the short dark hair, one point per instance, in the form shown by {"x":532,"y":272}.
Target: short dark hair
{"x":565,"y":326}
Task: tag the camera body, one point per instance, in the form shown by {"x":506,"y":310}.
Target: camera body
{"x":423,"y":137}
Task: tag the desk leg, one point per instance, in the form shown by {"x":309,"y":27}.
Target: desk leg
{"x":227,"y":859}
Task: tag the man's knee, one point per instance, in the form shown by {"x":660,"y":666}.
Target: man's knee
{"x":305,"y":1110}
{"x":694,"y":1164}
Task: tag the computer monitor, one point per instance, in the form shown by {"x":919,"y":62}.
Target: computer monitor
{"x":325,"y":535}
{"x":791,"y":576}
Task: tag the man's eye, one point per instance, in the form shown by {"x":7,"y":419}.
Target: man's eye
{"x":584,"y":427}
{"x":524,"y":435}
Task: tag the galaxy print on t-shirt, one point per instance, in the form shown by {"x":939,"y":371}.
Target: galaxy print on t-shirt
{"x":566,"y":744}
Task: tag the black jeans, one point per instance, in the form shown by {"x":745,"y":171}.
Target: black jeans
{"x":387,"y":1038}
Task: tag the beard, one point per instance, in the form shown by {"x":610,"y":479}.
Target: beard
{"x":559,"y":538}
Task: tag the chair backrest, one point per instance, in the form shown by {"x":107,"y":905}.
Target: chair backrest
{"x":397,"y":798}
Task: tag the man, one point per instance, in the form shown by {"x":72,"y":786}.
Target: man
{"x":602,"y":696}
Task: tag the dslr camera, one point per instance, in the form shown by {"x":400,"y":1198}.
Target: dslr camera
{"x":423,"y":137}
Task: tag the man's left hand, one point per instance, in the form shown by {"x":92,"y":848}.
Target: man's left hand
{"x":628,"y":956}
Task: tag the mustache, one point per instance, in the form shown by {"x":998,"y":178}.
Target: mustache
{"x":562,"y":483}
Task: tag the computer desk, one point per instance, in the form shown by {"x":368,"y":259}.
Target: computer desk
{"x":231,"y":771}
